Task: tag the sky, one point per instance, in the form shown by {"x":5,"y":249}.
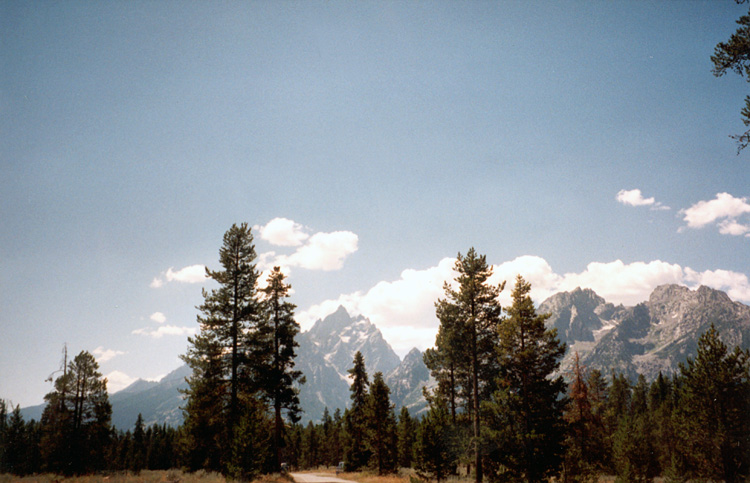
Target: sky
{"x":367,"y":143}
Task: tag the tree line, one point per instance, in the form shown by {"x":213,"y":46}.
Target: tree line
{"x":499,"y":409}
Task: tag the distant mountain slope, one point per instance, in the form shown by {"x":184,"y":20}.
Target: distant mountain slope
{"x":158,"y":402}
{"x":654,"y":336}
{"x":326,"y":353}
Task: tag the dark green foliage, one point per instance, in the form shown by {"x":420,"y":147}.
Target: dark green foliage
{"x":381,"y":427}
{"x":435,"y":444}
{"x":406,"y":438}
{"x":525,"y":417}
{"x":278,"y":376}
{"x":251,"y":446}
{"x":464,"y":360}
{"x":734,"y":55}
{"x":229,"y":358}
{"x":76,"y":421}
{"x":713,"y":414}
{"x":356,"y":453}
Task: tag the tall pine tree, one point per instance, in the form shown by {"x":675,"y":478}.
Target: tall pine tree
{"x":279,"y":377}
{"x":468,"y":341}
{"x":527,"y":426}
{"x":356,"y":454}
{"x":381,"y":426}
{"x":224,"y":355}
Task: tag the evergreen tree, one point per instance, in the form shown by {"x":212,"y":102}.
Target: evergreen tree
{"x":225,"y":357}
{"x":406,"y":438}
{"x":15,"y":445}
{"x":527,"y":426}
{"x":448,"y":361}
{"x":138,"y":448}
{"x":713,"y":416}
{"x":76,"y":421}
{"x":633,"y":451}
{"x":580,"y":442}
{"x":467,"y":343}
{"x":251,"y":448}
{"x":381,"y":426}
{"x":310,"y":447}
{"x":435,"y":446}
{"x":279,"y":377}
{"x":356,"y":454}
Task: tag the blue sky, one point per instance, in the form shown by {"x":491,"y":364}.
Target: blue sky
{"x":368,"y":143}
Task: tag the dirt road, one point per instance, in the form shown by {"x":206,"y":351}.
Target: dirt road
{"x":317,"y":478}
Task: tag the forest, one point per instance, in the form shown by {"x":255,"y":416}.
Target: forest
{"x":499,"y":410}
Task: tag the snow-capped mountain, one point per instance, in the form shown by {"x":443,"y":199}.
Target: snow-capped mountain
{"x":326,"y":353}
{"x":653,"y":336}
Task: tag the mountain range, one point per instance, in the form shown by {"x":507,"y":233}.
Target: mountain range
{"x":656,"y":335}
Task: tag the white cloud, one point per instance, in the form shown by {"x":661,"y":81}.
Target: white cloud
{"x":189,"y":274}
{"x":117,"y":380}
{"x":103,"y":355}
{"x":732,"y":227}
{"x":158,"y":317}
{"x":404,"y":309}
{"x":164,"y":330}
{"x":282,"y":232}
{"x":724,"y":210}
{"x":635,"y":198}
{"x":323,"y":251}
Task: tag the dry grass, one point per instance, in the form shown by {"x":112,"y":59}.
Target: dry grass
{"x":170,"y":476}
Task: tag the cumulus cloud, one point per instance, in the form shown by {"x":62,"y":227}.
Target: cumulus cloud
{"x":190,"y":274}
{"x":725,"y":210}
{"x":322,"y":251}
{"x":404,"y":308}
{"x":164,"y":330}
{"x":158,"y":317}
{"x":282,"y":232}
{"x":103,"y":355}
{"x":635,"y":198}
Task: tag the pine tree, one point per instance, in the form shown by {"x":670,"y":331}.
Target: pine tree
{"x":381,"y":426}
{"x":138,"y":448}
{"x":467,"y":343}
{"x":76,"y":421}
{"x":279,"y":376}
{"x":713,"y":416}
{"x":527,"y":426}
{"x":580,"y":441}
{"x":356,"y":454}
{"x":406,"y":438}
{"x":15,"y":445}
{"x":224,"y":356}
{"x":435,"y":446}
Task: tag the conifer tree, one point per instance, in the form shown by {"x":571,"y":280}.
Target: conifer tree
{"x":406,"y":438}
{"x":435,"y":446}
{"x":713,"y":416}
{"x":467,"y":343}
{"x":527,"y":425}
{"x":279,"y":376}
{"x":76,"y":421}
{"x":356,"y":454}
{"x":381,"y":426}
{"x":224,"y":355}
{"x":137,"y":457}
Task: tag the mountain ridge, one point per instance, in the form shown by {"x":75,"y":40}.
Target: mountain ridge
{"x":651,"y":337}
